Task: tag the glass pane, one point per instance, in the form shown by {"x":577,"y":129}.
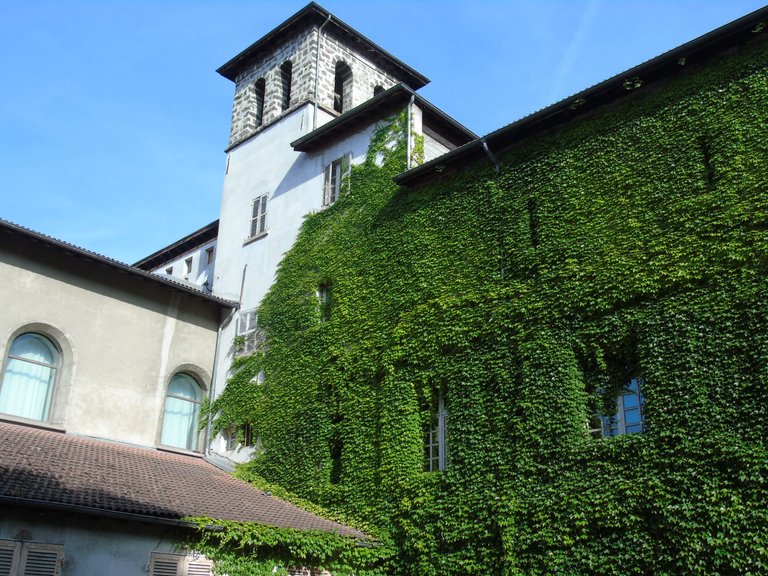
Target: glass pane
{"x":34,"y":347}
{"x":631,"y":429}
{"x":185,"y":387}
{"x":180,"y":423}
{"x":25,"y":389}
{"x":631,"y":417}
{"x":630,"y":401}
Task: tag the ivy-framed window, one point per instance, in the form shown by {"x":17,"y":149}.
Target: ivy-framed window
{"x":324,"y":301}
{"x":179,"y":565}
{"x":336,"y":178}
{"x":258,"y":221}
{"x":250,"y":337}
{"x":436,"y":436}
{"x":29,"y":377}
{"x":30,"y":558}
{"x":630,"y":411}
{"x":181,"y":418}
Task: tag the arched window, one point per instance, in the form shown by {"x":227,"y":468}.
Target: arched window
{"x":29,"y":377}
{"x":181,"y":420}
{"x":378,"y":90}
{"x":342,"y":87}
{"x":286,"y":72}
{"x":258,"y":90}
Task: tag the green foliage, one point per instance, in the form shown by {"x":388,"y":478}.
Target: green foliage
{"x":631,"y":241}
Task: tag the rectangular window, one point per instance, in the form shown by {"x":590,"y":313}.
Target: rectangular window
{"x":179,"y":565}
{"x":630,"y":412}
{"x":30,"y":558}
{"x":209,"y":256}
{"x":324,"y":300}
{"x":250,"y":337}
{"x":258,"y":216}
{"x":336,"y":179}
{"x":169,"y":271}
{"x":188,"y":267}
{"x":435,"y":439}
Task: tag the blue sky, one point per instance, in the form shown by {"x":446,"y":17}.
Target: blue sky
{"x":113,"y":120}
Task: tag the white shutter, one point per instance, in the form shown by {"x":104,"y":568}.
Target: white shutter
{"x":7,"y":553}
{"x":41,"y":560}
{"x":327,"y":185}
{"x":166,"y":565}
{"x":346,"y":171}
{"x":199,"y":567}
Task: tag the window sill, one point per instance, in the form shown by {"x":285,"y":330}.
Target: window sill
{"x":254,"y":238}
{"x":182,"y":451}
{"x":31,"y":423}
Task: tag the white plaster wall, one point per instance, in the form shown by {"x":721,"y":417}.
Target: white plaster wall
{"x":121,"y":339}
{"x":266,"y":164}
{"x":199,"y":265}
{"x":92,"y":546}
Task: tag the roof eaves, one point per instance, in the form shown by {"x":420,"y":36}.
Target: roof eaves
{"x":11,"y":227}
{"x":196,"y":238}
{"x":592,"y":97}
{"x":230,"y":68}
{"x":384,"y":101}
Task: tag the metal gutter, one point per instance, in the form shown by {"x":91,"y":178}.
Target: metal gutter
{"x":99,"y":512}
{"x":698,"y":50}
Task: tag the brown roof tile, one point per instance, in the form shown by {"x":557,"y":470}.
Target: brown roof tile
{"x":49,"y":467}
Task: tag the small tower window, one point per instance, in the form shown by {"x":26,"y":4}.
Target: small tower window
{"x":342,"y":87}
{"x":258,"y":90}
{"x":286,"y":72}
{"x":378,"y":90}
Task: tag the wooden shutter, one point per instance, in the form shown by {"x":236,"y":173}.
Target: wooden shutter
{"x":327,"y":184}
{"x":40,"y":560}
{"x":199,"y":566}
{"x":7,"y":557}
{"x":346,"y":170}
{"x":165,"y":565}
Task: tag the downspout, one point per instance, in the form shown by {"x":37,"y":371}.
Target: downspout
{"x":410,"y":151}
{"x":317,"y":68}
{"x":212,"y":395}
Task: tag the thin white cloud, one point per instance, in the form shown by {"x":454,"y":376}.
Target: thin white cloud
{"x":573,"y":50}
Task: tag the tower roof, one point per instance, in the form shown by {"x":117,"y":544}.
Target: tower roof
{"x":314,"y":15}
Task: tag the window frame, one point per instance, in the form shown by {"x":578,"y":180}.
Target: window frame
{"x":19,"y":555}
{"x":258,"y":217}
{"x":436,"y":436}
{"x":183,"y":564}
{"x":612,"y":425}
{"x":248,"y":334}
{"x":54,"y":376}
{"x":196,"y":437}
{"x":336,"y":177}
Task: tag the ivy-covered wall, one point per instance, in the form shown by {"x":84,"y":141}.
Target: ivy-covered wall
{"x":632,"y":242}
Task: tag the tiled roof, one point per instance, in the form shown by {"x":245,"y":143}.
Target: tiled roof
{"x":44,"y":467}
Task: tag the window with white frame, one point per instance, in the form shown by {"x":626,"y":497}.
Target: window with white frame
{"x":179,"y":565}
{"x":29,"y":376}
{"x":181,"y":419}
{"x":250,"y":337}
{"x":336,"y":178}
{"x":435,"y":439}
{"x":630,"y":411}
{"x":30,"y":559}
{"x":258,"y":225}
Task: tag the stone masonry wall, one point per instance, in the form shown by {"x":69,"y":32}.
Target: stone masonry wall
{"x":301,"y":50}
